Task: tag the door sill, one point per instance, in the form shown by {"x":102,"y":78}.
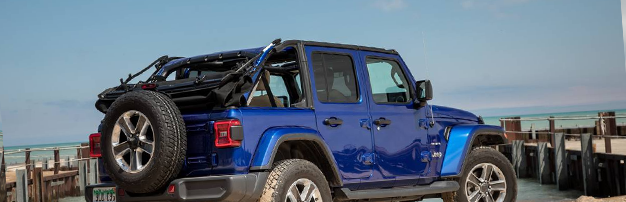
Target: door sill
{"x":419,"y":190}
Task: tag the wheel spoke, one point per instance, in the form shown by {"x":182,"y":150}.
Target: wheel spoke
{"x":307,"y":193}
{"x":142,"y":126}
{"x":126,"y":126}
{"x":148,"y":148}
{"x":296,"y":193}
{"x":475,"y":196}
{"x":488,"y":198}
{"x":499,"y":185}
{"x":121,"y":148}
{"x":473,"y":179}
{"x":133,"y":160}
{"x":486,"y":175}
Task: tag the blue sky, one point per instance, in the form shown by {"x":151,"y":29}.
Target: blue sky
{"x":490,"y":57}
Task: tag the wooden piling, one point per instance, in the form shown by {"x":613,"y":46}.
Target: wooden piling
{"x":552,"y":130}
{"x":560,"y":160}
{"x":543,"y":160}
{"x":590,"y":178}
{"x":3,"y":179}
{"x":21,"y":185}
{"x":519,"y":158}
{"x":37,"y":184}
{"x":82,"y":176}
{"x":44,"y":164}
{"x":57,"y":161}
{"x":27,"y":161}
{"x":93,"y":171}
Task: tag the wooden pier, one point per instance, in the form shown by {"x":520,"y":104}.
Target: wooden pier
{"x":50,"y":179}
{"x":590,"y":159}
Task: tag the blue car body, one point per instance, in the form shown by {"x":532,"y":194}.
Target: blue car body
{"x":424,"y":144}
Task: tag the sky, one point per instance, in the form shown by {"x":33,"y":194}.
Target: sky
{"x":486,"y":56}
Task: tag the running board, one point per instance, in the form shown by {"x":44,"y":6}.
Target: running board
{"x":420,"y":190}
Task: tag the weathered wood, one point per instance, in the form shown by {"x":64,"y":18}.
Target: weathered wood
{"x":27,"y":161}
{"x":552,"y":130}
{"x":543,"y":162}
{"x":590,"y":179}
{"x":21,"y":185}
{"x":57,"y":161}
{"x":519,"y":158}
{"x":534,"y":132}
{"x":3,"y":179}
{"x":44,"y":164}
{"x":560,"y":160}
{"x":82,"y":176}
{"x":37,"y":184}
{"x":93,"y":171}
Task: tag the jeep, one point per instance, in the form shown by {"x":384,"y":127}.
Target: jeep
{"x":293,"y":121}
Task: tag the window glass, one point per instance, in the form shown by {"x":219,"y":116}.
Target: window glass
{"x":335,"y":79}
{"x":279,"y":90}
{"x":387,"y":81}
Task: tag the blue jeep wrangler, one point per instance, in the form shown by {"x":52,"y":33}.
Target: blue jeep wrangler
{"x":295,"y":121}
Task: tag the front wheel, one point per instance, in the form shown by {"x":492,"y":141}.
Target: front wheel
{"x":487,"y":176}
{"x":296,"y":180}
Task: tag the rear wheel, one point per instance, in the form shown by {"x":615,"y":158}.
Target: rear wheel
{"x":143,"y":141}
{"x":296,"y":180}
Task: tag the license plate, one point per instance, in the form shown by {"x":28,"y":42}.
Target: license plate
{"x":104,"y":194}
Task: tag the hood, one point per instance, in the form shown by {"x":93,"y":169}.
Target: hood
{"x":452,"y":113}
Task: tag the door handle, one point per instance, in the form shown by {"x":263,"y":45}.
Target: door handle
{"x":382,"y":122}
{"x":333,"y":122}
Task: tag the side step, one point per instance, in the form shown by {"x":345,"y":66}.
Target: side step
{"x":420,"y":190}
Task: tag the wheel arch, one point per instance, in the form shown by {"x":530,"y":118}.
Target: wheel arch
{"x":306,"y":140}
{"x":462,"y":139}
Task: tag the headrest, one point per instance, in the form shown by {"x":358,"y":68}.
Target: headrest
{"x":261,"y":86}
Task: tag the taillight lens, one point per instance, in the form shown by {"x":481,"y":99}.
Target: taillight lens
{"x":94,"y":145}
{"x":228,"y":133}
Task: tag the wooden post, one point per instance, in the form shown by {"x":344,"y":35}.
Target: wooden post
{"x":560,"y":159}
{"x":533,"y":132}
{"x":608,"y":127}
{"x":543,"y":161}
{"x":519,"y":158}
{"x":82,"y":176}
{"x":93,"y":171}
{"x":57,"y":161}
{"x":21,"y":182}
{"x":3,"y":180}
{"x":27,"y":161}
{"x":37,"y":185}
{"x":590,"y":178}
{"x":44,"y":164}
{"x":552,"y":130}
{"x":67,"y":162}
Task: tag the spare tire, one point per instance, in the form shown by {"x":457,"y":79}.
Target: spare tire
{"x":143,"y":141}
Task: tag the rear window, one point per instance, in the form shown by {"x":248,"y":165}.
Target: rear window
{"x":335,"y":79}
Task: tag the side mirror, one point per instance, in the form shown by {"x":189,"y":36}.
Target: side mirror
{"x":424,"y":90}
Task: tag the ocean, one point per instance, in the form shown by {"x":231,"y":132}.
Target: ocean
{"x":495,"y":120}
{"x":18,"y":158}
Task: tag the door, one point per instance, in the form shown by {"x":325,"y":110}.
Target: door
{"x":341,"y":110}
{"x":400,"y":144}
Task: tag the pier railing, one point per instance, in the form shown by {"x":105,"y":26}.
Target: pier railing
{"x":580,"y":158}
{"x":44,"y":180}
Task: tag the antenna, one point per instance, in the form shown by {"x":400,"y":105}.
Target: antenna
{"x":432,"y":115}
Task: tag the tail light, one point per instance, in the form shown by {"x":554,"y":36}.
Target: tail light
{"x":94,"y":145}
{"x":228,"y":133}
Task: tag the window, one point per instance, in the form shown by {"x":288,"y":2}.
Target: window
{"x":279,"y":90}
{"x":335,"y":79}
{"x":388,"y":83}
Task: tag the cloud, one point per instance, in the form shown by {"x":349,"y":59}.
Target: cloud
{"x":390,"y":5}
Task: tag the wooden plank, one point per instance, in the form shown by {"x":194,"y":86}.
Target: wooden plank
{"x":543,"y":163}
{"x":552,"y":130}
{"x":93,"y":171}
{"x":590,"y":180}
{"x":27,"y":162}
{"x":519,"y":158}
{"x":82,"y":176}
{"x":22,"y":185}
{"x":57,"y":161}
{"x":3,"y":179}
{"x":37,"y":184}
{"x":560,"y":162}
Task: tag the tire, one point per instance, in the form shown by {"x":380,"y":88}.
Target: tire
{"x":295,"y":173}
{"x":162,"y":141}
{"x":481,"y":159}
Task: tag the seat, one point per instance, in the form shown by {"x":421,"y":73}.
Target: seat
{"x":264,"y":100}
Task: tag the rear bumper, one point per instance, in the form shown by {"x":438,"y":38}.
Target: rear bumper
{"x":245,"y":187}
